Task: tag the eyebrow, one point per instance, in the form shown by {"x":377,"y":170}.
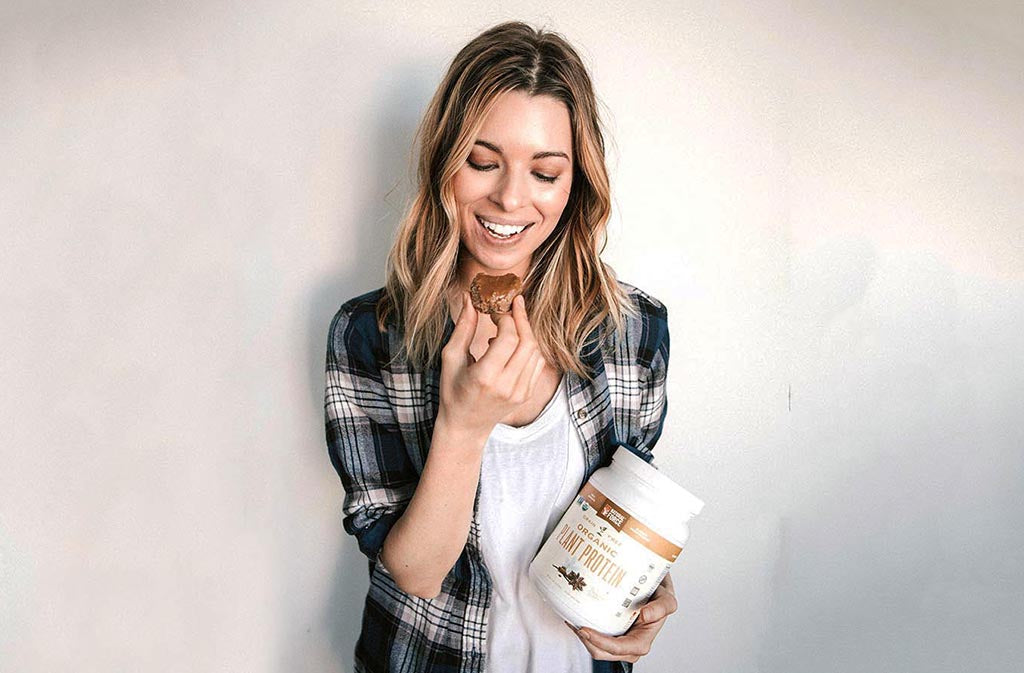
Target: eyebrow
{"x":537,"y":155}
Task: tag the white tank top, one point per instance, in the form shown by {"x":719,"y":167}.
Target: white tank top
{"x":528,"y":477}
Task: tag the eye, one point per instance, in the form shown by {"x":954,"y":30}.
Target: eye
{"x":491,"y":167}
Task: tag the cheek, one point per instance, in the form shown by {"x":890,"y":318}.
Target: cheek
{"x":468,"y":187}
{"x":552,"y":202}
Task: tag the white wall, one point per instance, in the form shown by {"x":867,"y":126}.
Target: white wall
{"x":828,"y":196}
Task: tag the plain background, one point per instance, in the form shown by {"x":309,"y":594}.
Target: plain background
{"x":828,"y":196}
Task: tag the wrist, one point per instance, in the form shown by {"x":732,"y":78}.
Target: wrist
{"x":459,"y":435}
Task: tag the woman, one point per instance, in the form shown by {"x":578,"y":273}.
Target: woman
{"x":460,"y":441}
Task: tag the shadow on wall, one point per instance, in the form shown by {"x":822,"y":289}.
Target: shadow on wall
{"x":361,"y":268}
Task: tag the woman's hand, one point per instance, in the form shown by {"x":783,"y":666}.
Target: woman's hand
{"x":636,"y":642}
{"x":477,"y":394}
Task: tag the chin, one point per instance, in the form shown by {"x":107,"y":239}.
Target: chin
{"x":499,"y":264}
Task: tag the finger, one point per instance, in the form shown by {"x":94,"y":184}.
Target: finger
{"x":522,"y":358}
{"x":523,"y":326}
{"x":468,"y":316}
{"x":500,"y":347}
{"x":526,"y":374}
{"x":599,"y":654}
{"x":594,"y":651}
{"x":656,"y":610}
{"x":635,"y":643}
{"x":538,"y":369}
{"x":661,"y":605}
{"x":668,"y":584}
{"x":462,"y":335}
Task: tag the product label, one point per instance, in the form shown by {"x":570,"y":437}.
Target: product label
{"x":602,"y":561}
{"x":622,"y":521}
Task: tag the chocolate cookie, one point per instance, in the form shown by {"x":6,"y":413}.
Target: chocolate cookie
{"x":494,"y":294}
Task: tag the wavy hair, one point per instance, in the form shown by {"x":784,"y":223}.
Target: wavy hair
{"x":568,"y":290}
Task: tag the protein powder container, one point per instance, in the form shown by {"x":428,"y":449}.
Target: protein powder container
{"x":614,"y":545}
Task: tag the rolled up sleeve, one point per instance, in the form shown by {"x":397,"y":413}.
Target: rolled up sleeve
{"x":364,"y":441}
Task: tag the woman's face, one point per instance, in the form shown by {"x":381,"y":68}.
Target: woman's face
{"x":518,"y":173}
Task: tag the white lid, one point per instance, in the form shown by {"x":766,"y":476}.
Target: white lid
{"x":663,"y":485}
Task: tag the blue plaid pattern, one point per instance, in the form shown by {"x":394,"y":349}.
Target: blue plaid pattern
{"x":379,"y":421}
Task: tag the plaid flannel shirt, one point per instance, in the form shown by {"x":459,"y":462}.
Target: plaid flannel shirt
{"x":379,"y":421}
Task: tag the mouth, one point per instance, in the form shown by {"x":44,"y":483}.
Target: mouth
{"x":502,"y":232}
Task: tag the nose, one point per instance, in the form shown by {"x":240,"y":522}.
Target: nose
{"x":511,"y":192}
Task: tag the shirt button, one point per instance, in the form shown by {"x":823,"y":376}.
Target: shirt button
{"x":581,"y":414}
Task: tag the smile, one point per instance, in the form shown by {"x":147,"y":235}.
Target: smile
{"x":502,"y":232}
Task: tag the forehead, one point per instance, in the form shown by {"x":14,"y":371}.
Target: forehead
{"x":522,"y":124}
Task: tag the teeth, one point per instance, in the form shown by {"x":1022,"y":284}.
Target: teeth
{"x":501,"y":229}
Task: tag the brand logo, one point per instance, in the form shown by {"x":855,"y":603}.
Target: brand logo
{"x":612,"y":515}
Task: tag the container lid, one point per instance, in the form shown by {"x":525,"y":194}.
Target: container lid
{"x":625,"y":457}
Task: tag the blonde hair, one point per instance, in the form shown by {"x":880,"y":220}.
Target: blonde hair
{"x":568,"y":290}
